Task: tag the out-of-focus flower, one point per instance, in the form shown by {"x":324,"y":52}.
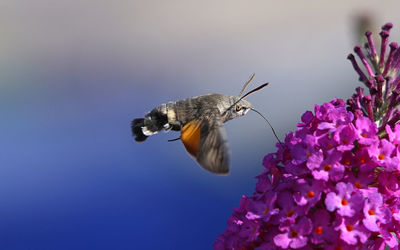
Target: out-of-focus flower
{"x":334,"y":183}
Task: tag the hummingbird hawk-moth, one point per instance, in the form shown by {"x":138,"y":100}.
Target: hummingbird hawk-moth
{"x":200,"y":120}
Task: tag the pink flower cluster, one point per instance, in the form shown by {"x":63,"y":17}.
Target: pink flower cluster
{"x":335,"y":182}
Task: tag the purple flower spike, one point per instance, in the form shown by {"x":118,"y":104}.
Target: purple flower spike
{"x":384,"y":88}
{"x":395,"y":118}
{"x":353,"y":61}
{"x":394,"y":65}
{"x":334,"y":183}
{"x":358,"y":51}
{"x":387,"y":26}
{"x":379,"y":80}
{"x":393,"y":46}
{"x":367,"y":103}
{"x":385,"y":38}
{"x":372,"y":48}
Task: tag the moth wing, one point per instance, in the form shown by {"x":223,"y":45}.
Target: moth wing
{"x":213,"y":152}
{"x":190,"y":136}
{"x":205,"y":140}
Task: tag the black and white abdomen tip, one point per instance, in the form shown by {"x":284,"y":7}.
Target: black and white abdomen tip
{"x":152,"y":123}
{"x":137,"y":130}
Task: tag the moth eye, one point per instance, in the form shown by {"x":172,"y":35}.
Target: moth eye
{"x":238,"y":108}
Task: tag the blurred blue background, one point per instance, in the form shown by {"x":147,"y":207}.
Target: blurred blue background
{"x":75,"y":73}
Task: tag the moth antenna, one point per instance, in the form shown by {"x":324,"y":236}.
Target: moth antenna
{"x":254,"y":90}
{"x":247,"y":83}
{"x":273,"y":130}
{"x":247,"y":94}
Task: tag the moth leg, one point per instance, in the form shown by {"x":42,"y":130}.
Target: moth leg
{"x":176,"y":139}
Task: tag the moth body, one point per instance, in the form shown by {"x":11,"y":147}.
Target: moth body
{"x":176,"y":114}
{"x":200,"y":120}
